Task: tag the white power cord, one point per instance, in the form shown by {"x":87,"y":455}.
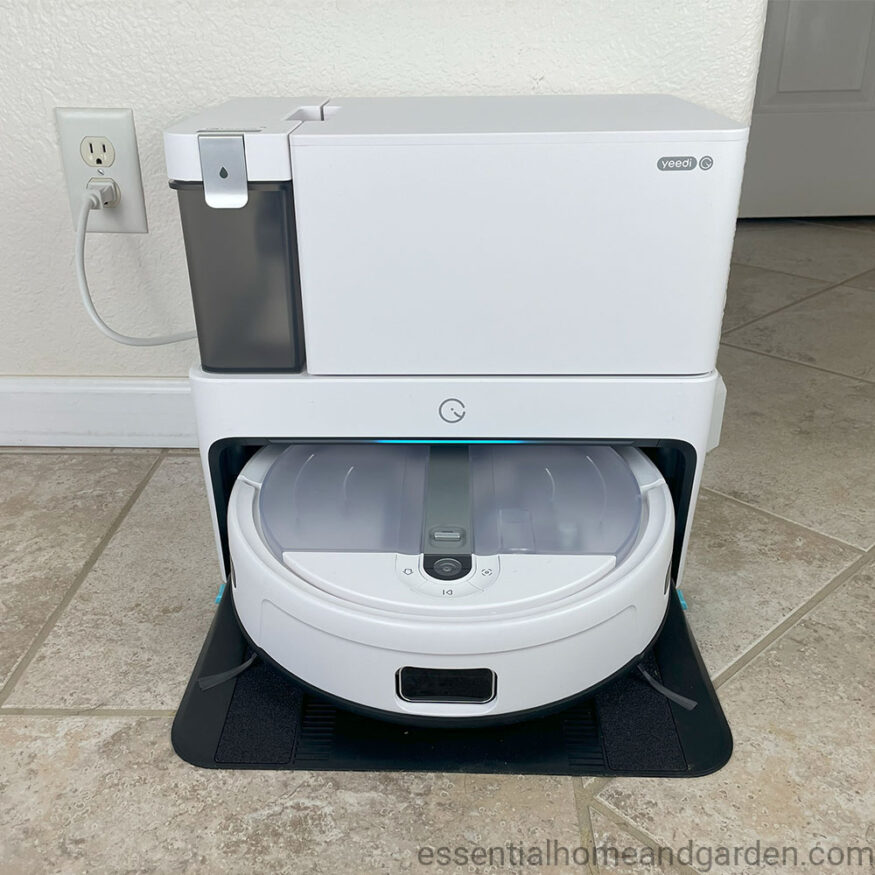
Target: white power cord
{"x":97,"y":196}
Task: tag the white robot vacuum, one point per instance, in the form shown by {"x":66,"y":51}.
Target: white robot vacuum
{"x":450,"y":582}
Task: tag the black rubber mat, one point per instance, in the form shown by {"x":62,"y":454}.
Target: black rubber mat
{"x":261,"y":719}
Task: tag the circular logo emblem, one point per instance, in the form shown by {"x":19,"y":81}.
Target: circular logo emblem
{"x":706,"y":162}
{"x":451,"y":410}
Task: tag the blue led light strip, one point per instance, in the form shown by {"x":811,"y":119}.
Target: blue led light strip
{"x":403,"y":441}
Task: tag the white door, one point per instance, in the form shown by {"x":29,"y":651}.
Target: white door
{"x":812,"y":139}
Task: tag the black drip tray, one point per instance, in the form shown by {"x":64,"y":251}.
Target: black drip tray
{"x":263,"y":720}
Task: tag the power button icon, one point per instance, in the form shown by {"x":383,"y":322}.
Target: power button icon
{"x":451,"y":410}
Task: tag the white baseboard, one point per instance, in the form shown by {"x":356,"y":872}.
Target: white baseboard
{"x":96,"y":412}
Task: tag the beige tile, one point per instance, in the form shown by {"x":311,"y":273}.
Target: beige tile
{"x":746,"y":572}
{"x":108,"y":794}
{"x":804,"y":249}
{"x":798,"y":442}
{"x":833,"y":330}
{"x":54,"y":509}
{"x":800,"y":775}
{"x":754,"y":292}
{"x":617,"y":850}
{"x":130,"y":637}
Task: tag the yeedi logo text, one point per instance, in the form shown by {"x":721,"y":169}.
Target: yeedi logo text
{"x":680,"y":162}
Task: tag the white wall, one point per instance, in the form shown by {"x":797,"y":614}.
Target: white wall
{"x":166,"y":59}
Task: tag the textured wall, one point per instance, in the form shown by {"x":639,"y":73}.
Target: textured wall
{"x":166,"y":59}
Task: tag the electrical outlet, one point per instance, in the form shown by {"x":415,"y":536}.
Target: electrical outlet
{"x":97,"y":152}
{"x":99,"y":143}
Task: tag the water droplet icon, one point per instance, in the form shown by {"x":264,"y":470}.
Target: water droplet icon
{"x":223,"y":173}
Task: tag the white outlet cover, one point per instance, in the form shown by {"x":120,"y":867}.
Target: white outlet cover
{"x":117,"y":125}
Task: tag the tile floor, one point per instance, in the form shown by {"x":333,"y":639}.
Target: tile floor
{"x":107,"y":579}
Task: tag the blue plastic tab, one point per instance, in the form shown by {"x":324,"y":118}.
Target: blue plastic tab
{"x":681,"y":597}
{"x":221,"y":592}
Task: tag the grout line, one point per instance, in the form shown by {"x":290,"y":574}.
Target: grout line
{"x":619,"y":820}
{"x":861,"y":288}
{"x":584,"y":821}
{"x":776,"y":516}
{"x":52,"y":619}
{"x":822,"y":224}
{"x":828,"y":288}
{"x":87,"y":712}
{"x":803,"y":276}
{"x":780,"y":309}
{"x":780,"y":358}
{"x":592,"y":789}
{"x":798,"y":276}
{"x":794,"y":220}
{"x":791,"y":620}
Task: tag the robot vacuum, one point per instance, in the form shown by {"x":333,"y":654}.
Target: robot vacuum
{"x":450,"y":583}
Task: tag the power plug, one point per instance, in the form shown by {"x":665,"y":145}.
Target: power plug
{"x":107,"y":191}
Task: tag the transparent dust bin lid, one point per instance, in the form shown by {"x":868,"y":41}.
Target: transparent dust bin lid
{"x":359,"y":498}
{"x":524,"y":498}
{"x":549,"y":499}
